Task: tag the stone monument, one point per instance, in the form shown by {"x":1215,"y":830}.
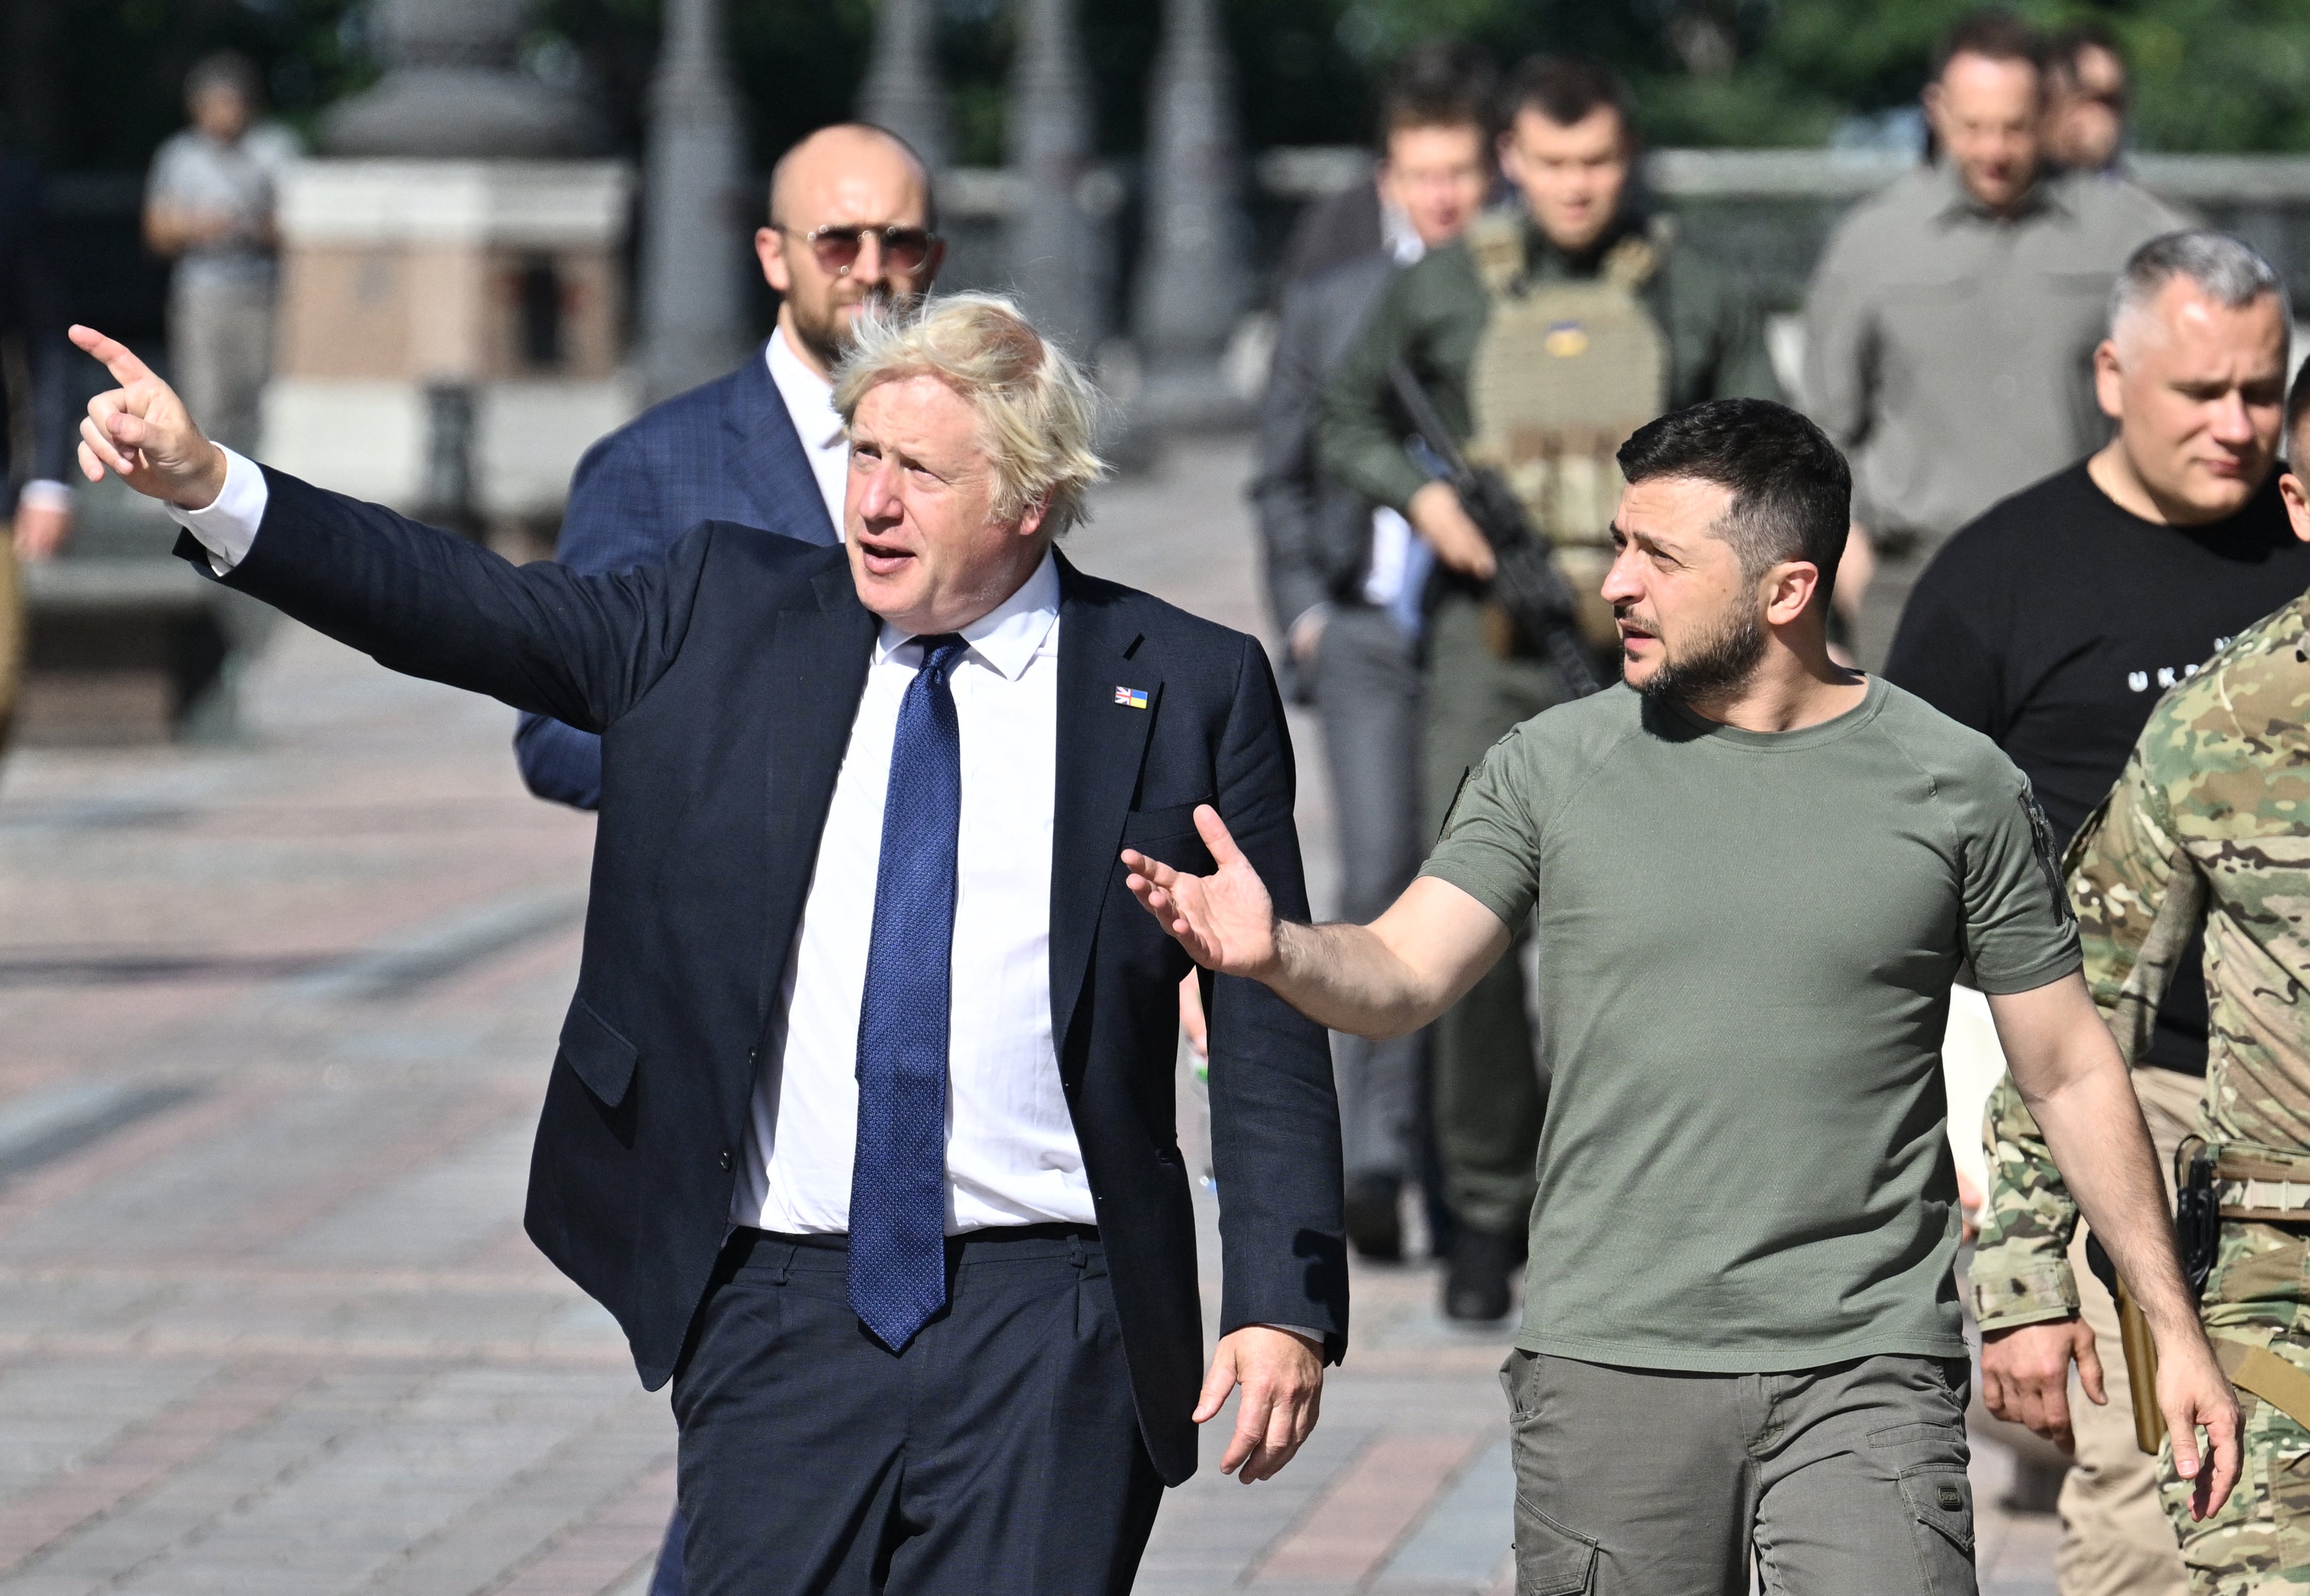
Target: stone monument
{"x":1195,"y":281}
{"x":697,"y":218}
{"x":901,"y":91}
{"x":451,"y":282}
{"x":1053,"y":239}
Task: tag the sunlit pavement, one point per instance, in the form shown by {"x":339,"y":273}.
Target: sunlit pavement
{"x":273,"y":1024}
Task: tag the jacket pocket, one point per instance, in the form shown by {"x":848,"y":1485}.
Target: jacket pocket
{"x":1154,"y":825}
{"x":596,"y":1054}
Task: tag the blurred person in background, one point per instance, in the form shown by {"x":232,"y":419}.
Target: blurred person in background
{"x":1344,"y":580}
{"x":1367,"y":219}
{"x":850,"y":231}
{"x":1951,"y":323}
{"x":2086,"y":99}
{"x":1551,"y":330}
{"x":2053,"y":625}
{"x":209,"y":207}
{"x":34,"y":404}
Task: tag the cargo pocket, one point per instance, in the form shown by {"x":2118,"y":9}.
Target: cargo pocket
{"x":1551,"y":1560}
{"x":1940,"y":1502}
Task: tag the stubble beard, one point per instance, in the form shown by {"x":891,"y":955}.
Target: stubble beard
{"x":825,"y":336}
{"x":1718,"y":664}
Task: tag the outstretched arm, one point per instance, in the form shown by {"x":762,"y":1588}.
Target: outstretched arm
{"x":1382,"y":979}
{"x":2067,"y":1067}
{"x":416,"y":599}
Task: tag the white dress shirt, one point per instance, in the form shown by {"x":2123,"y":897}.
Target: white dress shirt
{"x":809,"y":403}
{"x":1012,"y":1158}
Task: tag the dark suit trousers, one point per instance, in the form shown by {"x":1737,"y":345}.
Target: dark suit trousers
{"x":998,"y":1454}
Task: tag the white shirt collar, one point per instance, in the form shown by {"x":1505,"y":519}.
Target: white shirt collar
{"x":1009,"y":636}
{"x":809,"y":397}
{"x":1398,"y":236}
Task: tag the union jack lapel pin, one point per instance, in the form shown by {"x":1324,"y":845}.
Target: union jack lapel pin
{"x":1134,"y":697}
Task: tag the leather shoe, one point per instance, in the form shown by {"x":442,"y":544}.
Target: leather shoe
{"x":1374,"y":1218}
{"x":1476,"y":1284}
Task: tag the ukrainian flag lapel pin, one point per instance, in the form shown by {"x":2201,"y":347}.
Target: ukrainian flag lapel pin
{"x":1134,"y":697}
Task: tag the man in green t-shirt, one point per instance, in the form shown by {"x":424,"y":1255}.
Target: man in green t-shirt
{"x":1753,"y":876}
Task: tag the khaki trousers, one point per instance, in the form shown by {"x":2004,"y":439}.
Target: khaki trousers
{"x":2116,"y":1539}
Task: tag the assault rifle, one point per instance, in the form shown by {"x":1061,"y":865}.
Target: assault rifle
{"x":1524,"y":577}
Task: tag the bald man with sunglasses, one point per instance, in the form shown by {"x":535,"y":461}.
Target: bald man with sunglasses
{"x":851,"y":228}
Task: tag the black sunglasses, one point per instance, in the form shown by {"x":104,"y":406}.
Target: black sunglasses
{"x":905,"y":250}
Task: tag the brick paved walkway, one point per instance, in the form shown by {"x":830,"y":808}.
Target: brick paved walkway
{"x":274,"y":1022}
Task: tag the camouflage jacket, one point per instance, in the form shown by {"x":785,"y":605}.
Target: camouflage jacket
{"x":2210,"y":821}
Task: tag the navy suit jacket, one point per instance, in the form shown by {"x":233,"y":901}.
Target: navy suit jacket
{"x":724,"y":682}
{"x":727,"y":451}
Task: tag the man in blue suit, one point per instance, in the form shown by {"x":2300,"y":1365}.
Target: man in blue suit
{"x":850,"y":222}
{"x":863,"y":1122}
{"x":850,"y":231}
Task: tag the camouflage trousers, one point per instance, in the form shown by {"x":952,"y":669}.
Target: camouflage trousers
{"x":2259,"y":1543}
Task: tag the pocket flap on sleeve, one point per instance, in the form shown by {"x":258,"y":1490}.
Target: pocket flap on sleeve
{"x":599,"y":1057}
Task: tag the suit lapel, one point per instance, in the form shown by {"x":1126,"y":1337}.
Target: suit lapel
{"x":773,"y":463}
{"x":1102,"y":743}
{"x":817,"y":670}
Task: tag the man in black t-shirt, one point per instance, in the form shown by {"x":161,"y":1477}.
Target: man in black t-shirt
{"x":2052,"y":624}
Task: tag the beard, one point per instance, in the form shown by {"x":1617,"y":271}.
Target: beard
{"x":823,"y":330}
{"x":1721,"y":660}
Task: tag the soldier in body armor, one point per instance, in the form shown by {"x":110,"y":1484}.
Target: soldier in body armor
{"x":1552,"y":331}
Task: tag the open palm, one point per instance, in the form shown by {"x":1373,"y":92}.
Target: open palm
{"x":1225,"y":921}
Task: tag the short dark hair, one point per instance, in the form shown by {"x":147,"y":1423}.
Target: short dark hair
{"x":1442,"y":83}
{"x":1566,"y":89}
{"x":1996,"y":36}
{"x":1791,"y":491}
{"x":2297,"y":401}
{"x":226,"y":70}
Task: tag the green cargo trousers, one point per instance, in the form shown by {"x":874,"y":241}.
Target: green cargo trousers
{"x":1489,"y":1098}
{"x":1843,"y":1480}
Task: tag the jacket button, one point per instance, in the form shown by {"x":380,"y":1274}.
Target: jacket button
{"x":726,"y":1160}
{"x":753,"y":1054}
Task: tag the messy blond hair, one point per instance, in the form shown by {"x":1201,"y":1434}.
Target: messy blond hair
{"x":1038,"y":413}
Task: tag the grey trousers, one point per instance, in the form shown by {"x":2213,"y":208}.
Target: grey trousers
{"x":1844,"y":1481}
{"x":1368,"y":692}
{"x":221,"y":355}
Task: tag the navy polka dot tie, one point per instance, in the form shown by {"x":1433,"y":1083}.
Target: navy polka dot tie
{"x":898,"y":1181}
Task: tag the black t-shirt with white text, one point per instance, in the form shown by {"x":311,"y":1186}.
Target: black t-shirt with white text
{"x":2052,"y":624}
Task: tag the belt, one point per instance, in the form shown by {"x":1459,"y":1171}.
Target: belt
{"x":836,"y":1242}
{"x":2261,"y":1185}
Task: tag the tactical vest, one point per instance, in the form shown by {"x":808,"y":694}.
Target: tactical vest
{"x":1564,"y":372}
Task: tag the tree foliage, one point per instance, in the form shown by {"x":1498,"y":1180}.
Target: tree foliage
{"x":91,"y":84}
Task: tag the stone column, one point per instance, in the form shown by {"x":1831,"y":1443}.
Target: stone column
{"x":1054,"y":242}
{"x":901,"y":91}
{"x":1194,"y":279}
{"x":696,"y":216}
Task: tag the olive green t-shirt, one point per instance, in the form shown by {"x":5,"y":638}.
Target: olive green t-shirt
{"x":1746,"y":946}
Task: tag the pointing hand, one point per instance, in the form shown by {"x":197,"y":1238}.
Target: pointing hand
{"x":141,"y":431}
{"x":1225,"y":920}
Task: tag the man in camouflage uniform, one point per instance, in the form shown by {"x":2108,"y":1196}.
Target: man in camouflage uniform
{"x":1550,"y":332}
{"x":2208,"y":828}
